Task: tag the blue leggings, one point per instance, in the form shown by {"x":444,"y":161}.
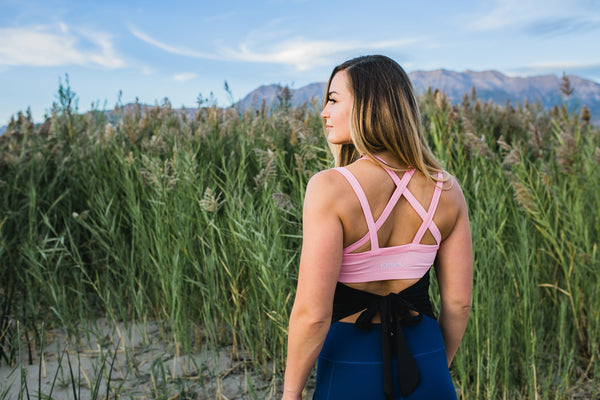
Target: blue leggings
{"x":349,"y":365}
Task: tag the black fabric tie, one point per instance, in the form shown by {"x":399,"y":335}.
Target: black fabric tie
{"x":393,"y":311}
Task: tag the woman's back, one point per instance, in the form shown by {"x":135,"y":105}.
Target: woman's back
{"x":405,"y":220}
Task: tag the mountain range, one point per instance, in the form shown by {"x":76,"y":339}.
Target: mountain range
{"x":488,"y":85}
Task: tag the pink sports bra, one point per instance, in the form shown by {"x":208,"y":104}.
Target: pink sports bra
{"x":407,"y":261}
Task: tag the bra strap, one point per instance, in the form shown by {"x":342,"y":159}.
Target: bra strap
{"x":428,"y":219}
{"x":364,"y":204}
{"x":400,"y":188}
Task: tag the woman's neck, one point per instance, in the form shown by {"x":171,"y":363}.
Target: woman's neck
{"x":390,"y":160}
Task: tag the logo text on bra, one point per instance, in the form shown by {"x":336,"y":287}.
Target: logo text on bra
{"x":391,"y":264}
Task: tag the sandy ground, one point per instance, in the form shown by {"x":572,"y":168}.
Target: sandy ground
{"x":145,"y":367}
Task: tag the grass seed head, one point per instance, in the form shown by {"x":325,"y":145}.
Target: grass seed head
{"x":503,"y":145}
{"x":441,"y":100}
{"x":83,"y":215}
{"x":586,"y":116}
{"x":565,"y":86}
{"x":513,"y":158}
{"x":130,"y":159}
{"x":566,"y":152}
{"x":210,"y":201}
{"x":109,"y":132}
{"x":524,"y":196}
{"x":477,"y":145}
{"x":536,"y":143}
{"x":473,"y":143}
{"x":283,"y":201}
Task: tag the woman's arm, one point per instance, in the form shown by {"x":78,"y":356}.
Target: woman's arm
{"x":320,"y":261}
{"x":454,"y":271}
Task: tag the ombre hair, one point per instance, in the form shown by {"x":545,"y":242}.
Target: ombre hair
{"x":385,"y":116}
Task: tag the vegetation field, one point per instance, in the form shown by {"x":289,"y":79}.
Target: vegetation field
{"x":189,"y":224}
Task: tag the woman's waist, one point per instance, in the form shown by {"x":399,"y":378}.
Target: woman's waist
{"x":347,"y":343}
{"x":376,"y":318}
{"x":404,"y":299}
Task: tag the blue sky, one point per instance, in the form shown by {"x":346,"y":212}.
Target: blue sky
{"x":180,"y":49}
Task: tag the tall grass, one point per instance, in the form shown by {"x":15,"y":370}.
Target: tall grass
{"x":194,"y":221}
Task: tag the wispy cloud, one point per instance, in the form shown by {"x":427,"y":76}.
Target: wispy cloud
{"x":45,"y":46}
{"x":186,"y":76}
{"x":562,"y":26}
{"x":220,"y":17}
{"x":178,"y":50}
{"x":145,"y":70}
{"x":581,"y":68}
{"x":564,"y":64}
{"x":503,"y":13}
{"x":304,"y":54}
{"x":536,"y":16}
{"x":299,"y":53}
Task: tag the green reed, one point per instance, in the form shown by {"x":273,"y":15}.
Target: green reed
{"x":194,"y":221}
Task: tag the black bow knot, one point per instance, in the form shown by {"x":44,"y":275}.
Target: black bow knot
{"x":394,"y":311}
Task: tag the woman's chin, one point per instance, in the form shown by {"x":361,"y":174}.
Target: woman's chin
{"x":338,"y":141}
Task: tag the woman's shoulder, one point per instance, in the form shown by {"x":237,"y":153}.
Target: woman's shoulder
{"x":336,"y":180}
{"x":451,"y":187}
{"x":326,"y":189}
{"x":451,"y":206}
{"x":452,"y":199}
{"x":328,"y":181}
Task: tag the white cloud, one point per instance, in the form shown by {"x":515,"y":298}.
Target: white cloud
{"x":562,"y":64}
{"x":304,"y":54}
{"x":145,"y":70}
{"x":45,"y":46}
{"x":299,"y":53}
{"x":179,"y":50}
{"x":506,"y":13}
{"x":186,"y":76}
{"x":589,"y":70}
{"x":220,"y":17}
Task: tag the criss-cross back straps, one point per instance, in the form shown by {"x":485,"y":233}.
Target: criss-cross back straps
{"x":427,"y":216}
{"x":373,"y":227}
{"x":364,"y":203}
{"x":400,"y":189}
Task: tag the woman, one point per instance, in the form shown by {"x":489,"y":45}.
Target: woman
{"x":372,"y":228}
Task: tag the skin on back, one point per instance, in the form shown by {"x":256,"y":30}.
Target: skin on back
{"x":402,"y":224}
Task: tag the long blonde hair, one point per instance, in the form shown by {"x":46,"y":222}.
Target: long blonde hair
{"x":385,"y":116}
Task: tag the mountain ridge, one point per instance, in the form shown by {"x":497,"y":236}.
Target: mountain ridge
{"x":489,"y":85}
